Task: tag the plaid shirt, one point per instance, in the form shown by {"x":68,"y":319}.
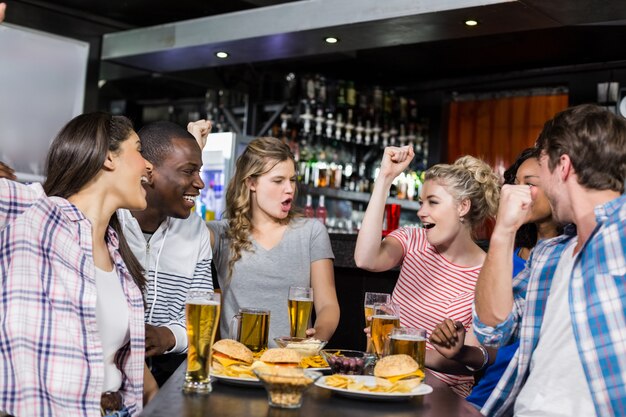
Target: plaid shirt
{"x":50,"y":350}
{"x":597,"y":300}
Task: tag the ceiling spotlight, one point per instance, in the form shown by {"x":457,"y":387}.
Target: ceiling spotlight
{"x":331,"y":39}
{"x":221,"y":54}
{"x":471,"y":22}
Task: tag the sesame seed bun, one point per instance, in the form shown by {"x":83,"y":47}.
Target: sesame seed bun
{"x":394,"y":365}
{"x":280,"y":355}
{"x":233,"y":349}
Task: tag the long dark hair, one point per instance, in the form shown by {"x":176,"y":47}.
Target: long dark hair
{"x":76,"y":156}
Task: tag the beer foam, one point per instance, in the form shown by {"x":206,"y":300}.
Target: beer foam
{"x":408,"y":337}
{"x":201,"y":302}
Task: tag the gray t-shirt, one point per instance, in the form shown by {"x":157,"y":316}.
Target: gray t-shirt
{"x":261,"y":279}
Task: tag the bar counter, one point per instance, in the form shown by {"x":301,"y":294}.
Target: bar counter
{"x":235,"y":401}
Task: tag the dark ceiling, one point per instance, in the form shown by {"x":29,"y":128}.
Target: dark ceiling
{"x":583,"y":32}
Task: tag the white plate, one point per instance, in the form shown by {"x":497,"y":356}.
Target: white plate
{"x":421,"y":389}
{"x":251,"y":382}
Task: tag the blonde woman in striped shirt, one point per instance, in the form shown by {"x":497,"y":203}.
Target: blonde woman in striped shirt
{"x":440,"y":261}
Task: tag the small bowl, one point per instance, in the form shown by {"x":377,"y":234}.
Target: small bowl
{"x":348,"y":362}
{"x":285,"y":386}
{"x":304,"y":346}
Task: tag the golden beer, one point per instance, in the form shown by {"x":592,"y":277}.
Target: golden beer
{"x":369,"y":312}
{"x":254,"y":327}
{"x":299,"y":316}
{"x":412,"y":345}
{"x":381,"y":327}
{"x":202,"y":321}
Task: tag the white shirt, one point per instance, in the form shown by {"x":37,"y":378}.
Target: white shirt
{"x":556,"y":385}
{"x":177,"y":259}
{"x":112,"y":319}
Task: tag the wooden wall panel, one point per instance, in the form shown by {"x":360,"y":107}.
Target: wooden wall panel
{"x":498,"y":129}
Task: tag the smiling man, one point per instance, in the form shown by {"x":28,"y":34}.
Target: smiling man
{"x":172,"y":245}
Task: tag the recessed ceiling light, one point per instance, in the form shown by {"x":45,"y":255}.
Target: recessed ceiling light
{"x":471,"y":22}
{"x":221,"y":54}
{"x":331,"y":39}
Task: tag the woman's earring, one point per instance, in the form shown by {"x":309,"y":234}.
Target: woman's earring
{"x":462,"y":219}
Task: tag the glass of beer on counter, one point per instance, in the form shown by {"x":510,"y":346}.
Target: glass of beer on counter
{"x":300,"y":308}
{"x":372,"y":298}
{"x":385,"y":317}
{"x":202,"y":310}
{"x":251,"y":327}
{"x":409,"y":341}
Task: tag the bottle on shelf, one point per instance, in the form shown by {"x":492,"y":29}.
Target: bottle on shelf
{"x":308,"y":209}
{"x":321,"y":212}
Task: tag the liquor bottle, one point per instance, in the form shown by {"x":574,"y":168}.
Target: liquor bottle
{"x":339,"y":126}
{"x":330,"y":123}
{"x":368,"y":132}
{"x":350,"y":94}
{"x":321,"y":212}
{"x":319,"y":120}
{"x":349,"y":127}
{"x":308,"y":209}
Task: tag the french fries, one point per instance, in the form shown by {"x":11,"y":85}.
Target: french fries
{"x":245,"y":371}
{"x":313,"y":362}
{"x":382,"y":385}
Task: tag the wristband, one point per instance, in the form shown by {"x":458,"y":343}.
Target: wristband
{"x":485,"y":359}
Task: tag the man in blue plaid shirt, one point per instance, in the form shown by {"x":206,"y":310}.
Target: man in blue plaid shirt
{"x":567,"y":307}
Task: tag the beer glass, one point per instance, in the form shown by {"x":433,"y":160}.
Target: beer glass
{"x":385,"y":317}
{"x":372,"y":298}
{"x":251,"y":327}
{"x":300,"y":308}
{"x":202,"y":310}
{"x":409,"y":341}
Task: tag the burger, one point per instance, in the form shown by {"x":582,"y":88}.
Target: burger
{"x":278,"y":357}
{"x":395,"y":368}
{"x":228,"y":353}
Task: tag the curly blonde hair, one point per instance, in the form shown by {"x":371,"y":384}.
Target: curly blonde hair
{"x":259,"y":157}
{"x":470,"y":178}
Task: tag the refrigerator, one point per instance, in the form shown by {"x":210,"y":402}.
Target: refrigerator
{"x":218,"y":166}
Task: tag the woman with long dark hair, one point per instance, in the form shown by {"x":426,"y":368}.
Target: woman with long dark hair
{"x":71,"y":315}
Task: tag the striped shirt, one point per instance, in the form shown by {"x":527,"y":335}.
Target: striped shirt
{"x":597,"y":305}
{"x":51,"y":360}
{"x":177,"y":259}
{"x":431,"y":289}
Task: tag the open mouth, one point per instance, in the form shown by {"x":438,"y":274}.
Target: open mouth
{"x":190,"y":198}
{"x":286,"y":205}
{"x":428,"y":225}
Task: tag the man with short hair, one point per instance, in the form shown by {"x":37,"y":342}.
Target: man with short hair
{"x":172,"y":245}
{"x":567,"y":307}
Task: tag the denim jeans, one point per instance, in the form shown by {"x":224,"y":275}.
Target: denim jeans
{"x":121,"y":413}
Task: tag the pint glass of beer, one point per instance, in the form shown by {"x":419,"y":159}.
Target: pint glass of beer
{"x":300,"y":307}
{"x":409,"y":341}
{"x":202,"y":310}
{"x":372,"y":298}
{"x":251,"y":327}
{"x":385,"y":318}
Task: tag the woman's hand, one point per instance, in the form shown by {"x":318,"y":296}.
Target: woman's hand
{"x":395,"y":160}
{"x":150,"y":387}
{"x":448,"y":338}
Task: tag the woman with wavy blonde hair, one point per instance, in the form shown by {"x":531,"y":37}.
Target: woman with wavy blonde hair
{"x":263,"y":247}
{"x":440,"y":261}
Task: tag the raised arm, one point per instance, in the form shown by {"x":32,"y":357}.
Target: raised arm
{"x":324,"y":299}
{"x":494,"y":289}
{"x":200,"y":129}
{"x":370,"y":253}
